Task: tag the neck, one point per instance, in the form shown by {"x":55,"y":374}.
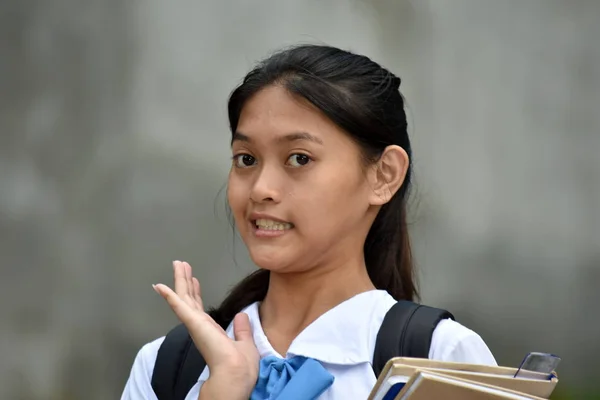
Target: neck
{"x":295,"y":300}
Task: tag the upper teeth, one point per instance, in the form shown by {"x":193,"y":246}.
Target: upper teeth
{"x":272,"y":225}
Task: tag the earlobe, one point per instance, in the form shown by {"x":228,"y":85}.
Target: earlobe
{"x":389,"y":174}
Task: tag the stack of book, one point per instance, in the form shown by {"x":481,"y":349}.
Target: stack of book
{"x":422,"y":379}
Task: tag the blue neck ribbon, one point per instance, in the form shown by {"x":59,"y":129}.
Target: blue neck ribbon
{"x":298,"y":378}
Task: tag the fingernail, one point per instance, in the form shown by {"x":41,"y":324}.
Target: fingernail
{"x":154,"y":287}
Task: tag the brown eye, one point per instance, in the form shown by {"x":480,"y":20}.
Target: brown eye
{"x":298,"y":160}
{"x":244,"y":160}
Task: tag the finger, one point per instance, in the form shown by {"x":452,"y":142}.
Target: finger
{"x":188,"y":279}
{"x":242,"y":328}
{"x":198,"y":293}
{"x":184,"y":312}
{"x":189,"y":295}
{"x":179,"y":278}
{"x":174,"y":301}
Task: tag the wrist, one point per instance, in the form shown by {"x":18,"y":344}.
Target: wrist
{"x":230,"y":386}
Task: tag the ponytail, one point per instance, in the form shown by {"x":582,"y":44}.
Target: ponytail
{"x":251,"y":289}
{"x":388,"y":253}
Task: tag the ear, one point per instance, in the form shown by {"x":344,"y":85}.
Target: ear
{"x":388,"y":174}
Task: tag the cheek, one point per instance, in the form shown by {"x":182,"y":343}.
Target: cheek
{"x":237,"y":197}
{"x":333,"y":202}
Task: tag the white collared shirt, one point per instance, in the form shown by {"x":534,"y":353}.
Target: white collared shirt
{"x":342,"y":339}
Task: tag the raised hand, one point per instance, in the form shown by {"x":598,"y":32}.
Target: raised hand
{"x":233,"y":364}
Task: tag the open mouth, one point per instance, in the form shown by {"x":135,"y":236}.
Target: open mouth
{"x":270,"y":225}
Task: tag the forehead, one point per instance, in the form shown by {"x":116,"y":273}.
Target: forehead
{"x":273,"y":113}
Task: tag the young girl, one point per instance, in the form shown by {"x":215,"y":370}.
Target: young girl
{"x":320,"y":175}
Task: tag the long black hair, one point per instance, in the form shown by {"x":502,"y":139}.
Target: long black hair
{"x":363,"y":99}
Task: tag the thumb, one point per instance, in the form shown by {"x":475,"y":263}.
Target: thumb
{"x":242,"y":329}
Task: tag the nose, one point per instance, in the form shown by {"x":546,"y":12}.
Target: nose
{"x":266,"y":187}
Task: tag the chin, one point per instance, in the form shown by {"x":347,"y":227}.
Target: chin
{"x":270,"y":260}
{"x":269,"y":263}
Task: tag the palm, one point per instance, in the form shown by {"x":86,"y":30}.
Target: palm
{"x":219,"y":351}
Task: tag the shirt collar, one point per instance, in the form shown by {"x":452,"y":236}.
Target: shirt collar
{"x":344,"y":335}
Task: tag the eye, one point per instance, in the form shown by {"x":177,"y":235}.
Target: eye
{"x":244,"y":160}
{"x":298,"y":160}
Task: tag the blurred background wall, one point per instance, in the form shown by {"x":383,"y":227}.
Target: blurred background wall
{"x":114,"y":153}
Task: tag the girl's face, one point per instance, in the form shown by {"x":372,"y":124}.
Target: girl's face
{"x":297,"y":186}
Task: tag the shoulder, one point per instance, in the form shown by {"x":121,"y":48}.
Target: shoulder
{"x":139,"y":384}
{"x":452,"y":341}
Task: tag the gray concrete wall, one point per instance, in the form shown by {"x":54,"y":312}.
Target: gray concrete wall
{"x":114,"y":148}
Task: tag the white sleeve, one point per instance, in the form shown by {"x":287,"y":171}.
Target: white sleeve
{"x":452,"y":341}
{"x":139,"y":384}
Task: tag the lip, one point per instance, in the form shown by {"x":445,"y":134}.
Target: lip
{"x":255,"y":215}
{"x":264,"y":233}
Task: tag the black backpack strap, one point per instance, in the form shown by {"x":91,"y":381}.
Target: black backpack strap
{"x":178,"y":365}
{"x":406,"y":331}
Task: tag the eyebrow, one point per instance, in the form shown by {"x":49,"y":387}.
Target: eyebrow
{"x":292,"y":137}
